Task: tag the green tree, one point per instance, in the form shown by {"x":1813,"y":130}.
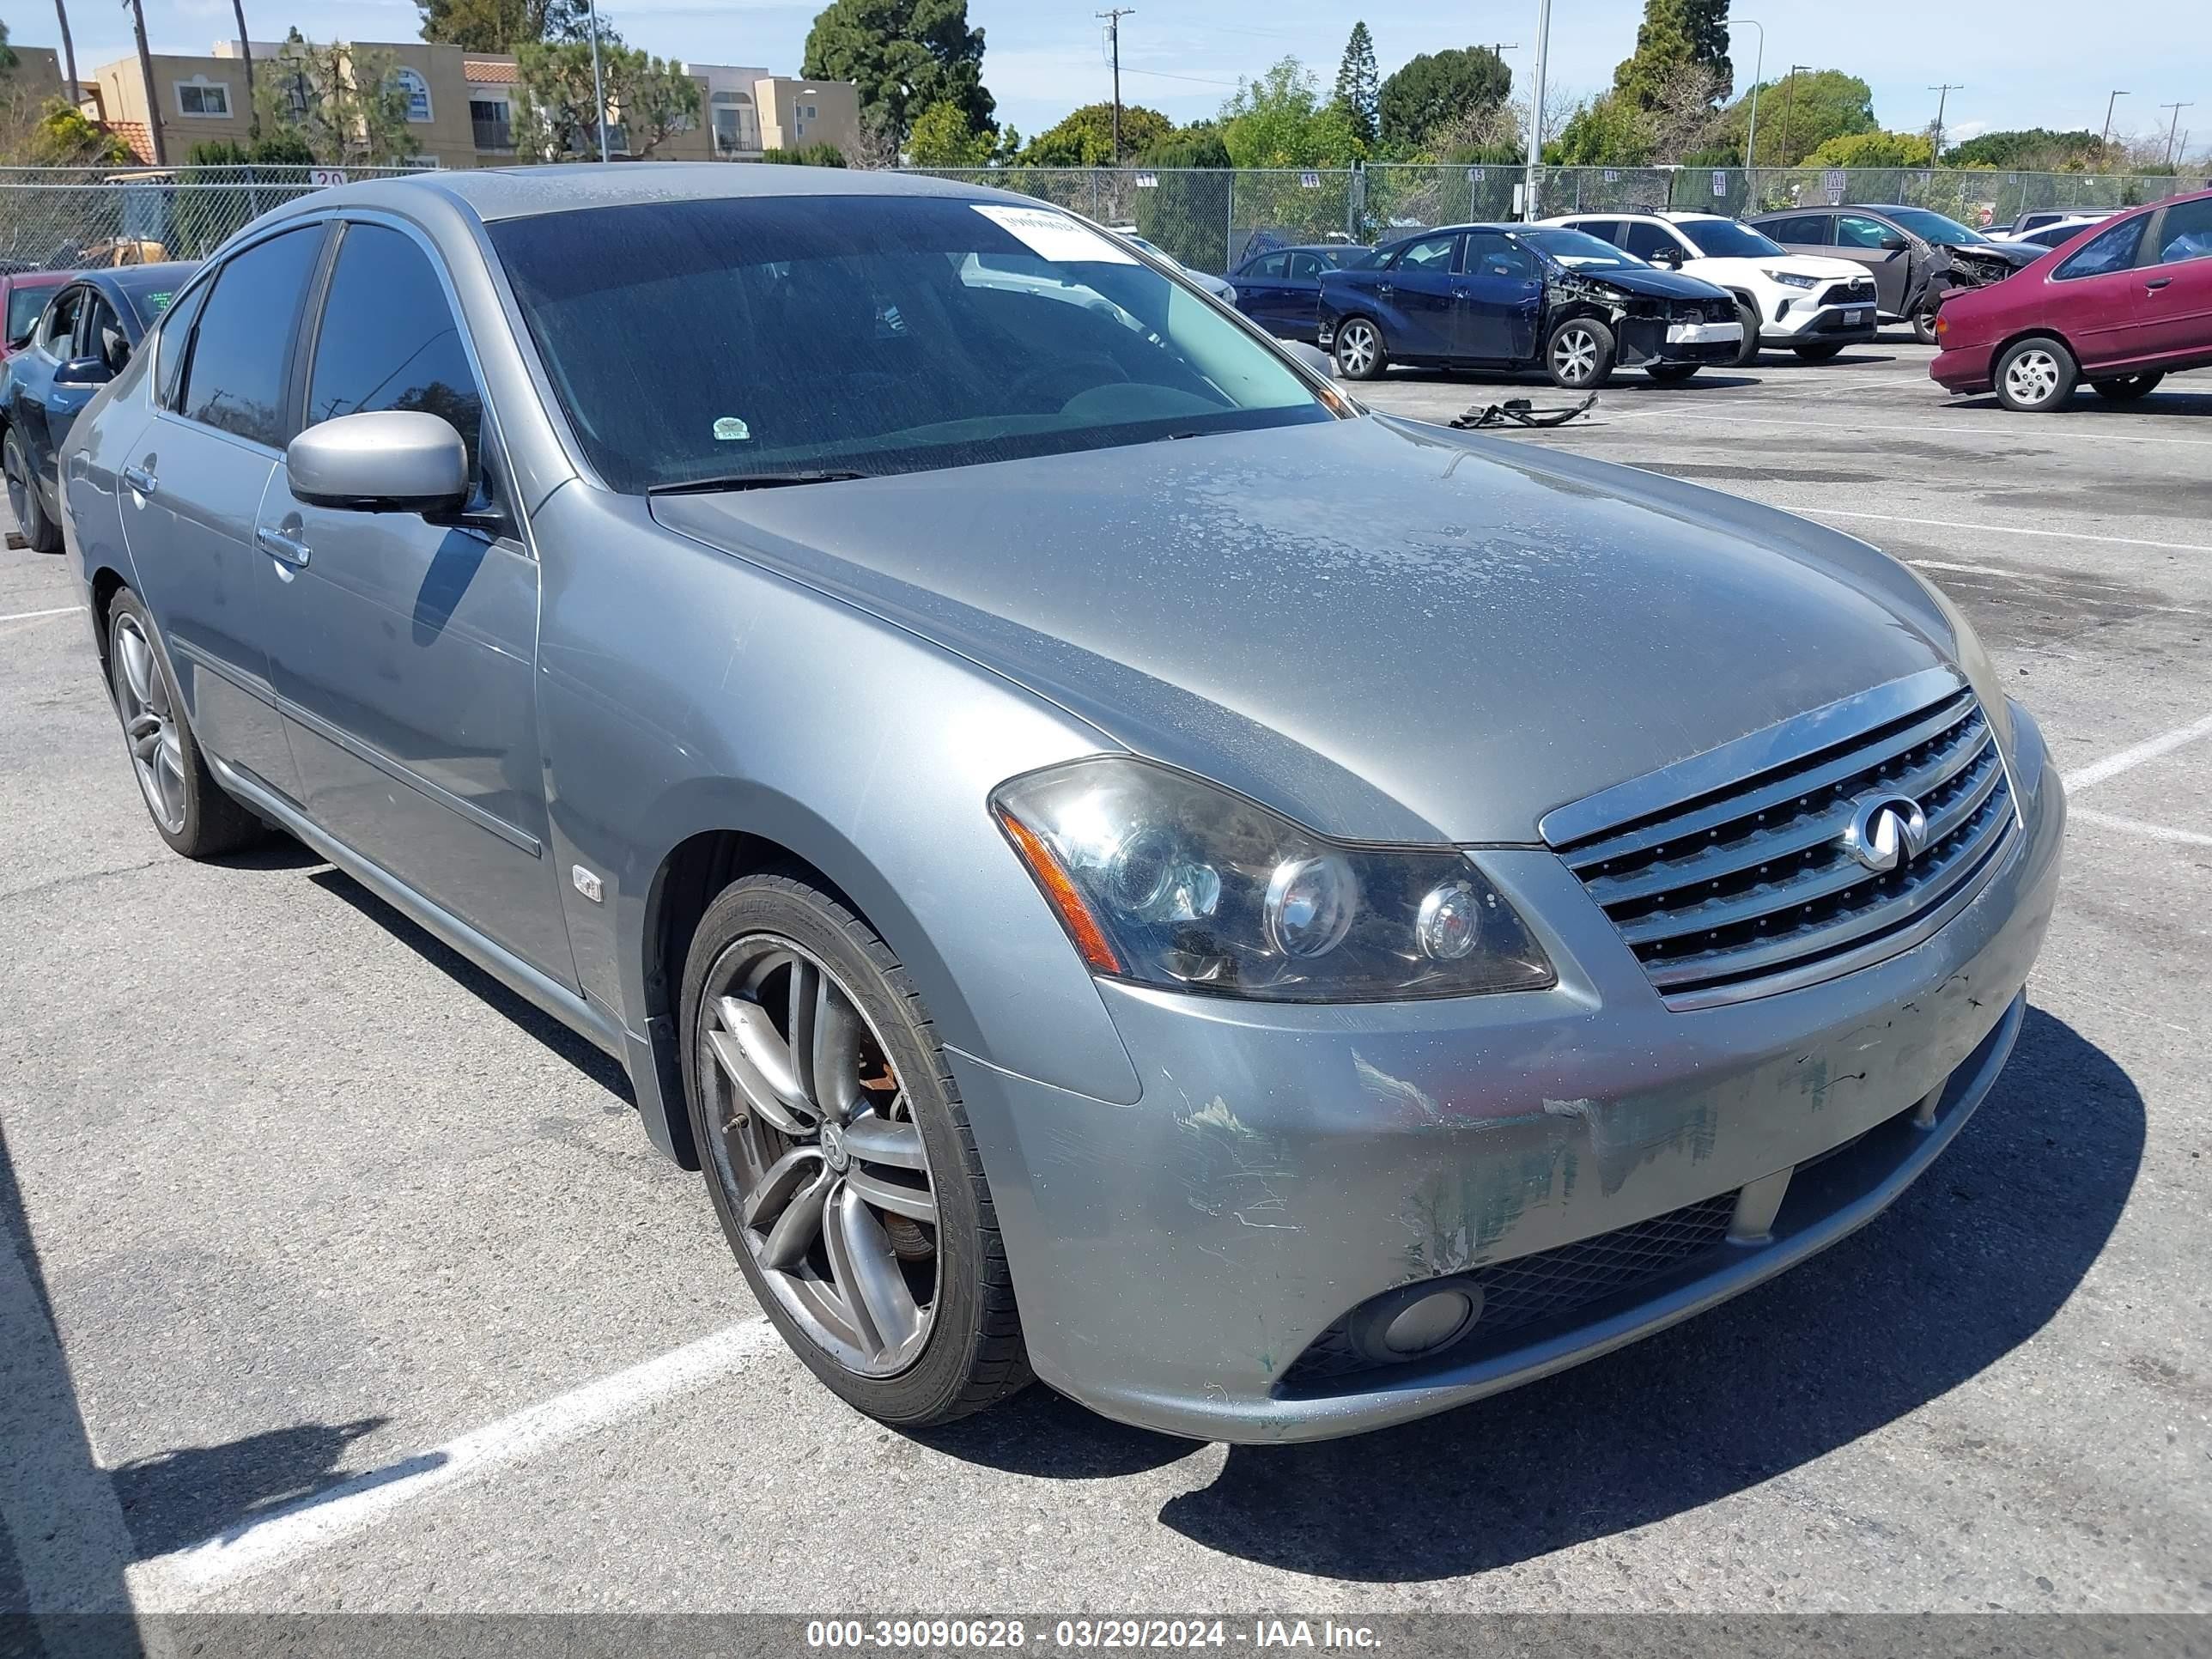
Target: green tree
{"x":1435,"y":90}
{"x":2035,"y":149}
{"x":504,"y":25}
{"x":1676,"y":34}
{"x":8,"y":59}
{"x":1799,"y":113}
{"x":1085,"y":137}
{"x":904,"y":55}
{"x":1280,"y":121}
{"x":942,"y":138}
{"x":808,"y":155}
{"x":1359,"y":84}
{"x":1608,"y":130}
{"x":1197,"y":145}
{"x":1872,"y":150}
{"x":650,"y":98}
{"x":341,"y":102}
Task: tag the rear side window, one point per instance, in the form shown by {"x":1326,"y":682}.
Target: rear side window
{"x":2107,"y":250}
{"x":2185,"y":233}
{"x":174,"y":343}
{"x":1809,"y":230}
{"x":389,"y":339}
{"x":235,"y":381}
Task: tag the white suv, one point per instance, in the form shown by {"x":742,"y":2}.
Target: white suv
{"x":1815,"y":306}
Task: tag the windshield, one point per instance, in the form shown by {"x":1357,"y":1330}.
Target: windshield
{"x":1580,"y":250}
{"x":24,"y":305}
{"x":1934,"y":227}
{"x":1724,"y":239}
{"x":699,"y":340}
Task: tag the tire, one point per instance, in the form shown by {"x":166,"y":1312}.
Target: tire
{"x":1579,"y":354}
{"x":41,"y":532}
{"x":1671,"y":374}
{"x":848,"y":1294}
{"x":1361,"y":352}
{"x":189,"y":809}
{"x":2035,"y":375}
{"x":1746,"y":314}
{"x":1924,"y":326}
{"x":2128,"y":387}
{"x":1817,"y":354}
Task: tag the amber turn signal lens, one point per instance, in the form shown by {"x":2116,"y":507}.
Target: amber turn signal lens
{"x":1090,"y":939}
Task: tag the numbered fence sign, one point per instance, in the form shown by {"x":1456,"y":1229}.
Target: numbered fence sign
{"x":322,"y":176}
{"x":1720,"y":181}
{"x":1310,"y":181}
{"x":1613,"y":175}
{"x":1148,"y":181}
{"x":1474,"y":175}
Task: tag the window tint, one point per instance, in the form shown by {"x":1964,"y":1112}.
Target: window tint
{"x":1305,"y":268}
{"x":2185,"y":232}
{"x":388,"y":338}
{"x":102,"y":336}
{"x":1268,"y":267}
{"x":175,"y":338}
{"x":61,"y":321}
{"x":1852,"y":231}
{"x":1645,"y":240}
{"x":1490,"y":254}
{"x":1807,"y":230}
{"x":1432,"y":253}
{"x":2107,"y":250}
{"x":236,"y":379}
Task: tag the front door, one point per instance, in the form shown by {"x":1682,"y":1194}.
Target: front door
{"x":1502,"y":297}
{"x":192,"y":485}
{"x":1417,"y":290}
{"x":1260,"y":290}
{"x":1860,"y":239}
{"x":2104,"y":306}
{"x":405,"y":651}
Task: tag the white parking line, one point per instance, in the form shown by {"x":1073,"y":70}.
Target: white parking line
{"x":1994,"y":529}
{"x":267,"y":1541}
{"x":26,"y":615}
{"x":2128,"y":759}
{"x":2137,"y":827}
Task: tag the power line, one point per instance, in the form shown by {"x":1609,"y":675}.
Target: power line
{"x":1113,"y":37}
{"x":1195,"y":80}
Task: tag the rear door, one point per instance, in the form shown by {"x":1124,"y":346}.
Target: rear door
{"x":1417,"y":292}
{"x":1259,"y":289}
{"x":405,"y":651}
{"x":2176,"y":271}
{"x":1859,"y":239}
{"x":1301,"y":297}
{"x":1801,"y":232}
{"x":195,"y":477}
{"x":1502,"y":293}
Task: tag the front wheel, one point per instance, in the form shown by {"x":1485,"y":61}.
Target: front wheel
{"x":41,"y":532}
{"x":1580,"y":354}
{"x":839,"y":1158}
{"x":1746,"y":317}
{"x":1360,"y":353}
{"x":1817,"y":354}
{"x":1924,"y":326}
{"x":2036,"y":375}
{"x":2127,"y":388}
{"x":1671,"y":374}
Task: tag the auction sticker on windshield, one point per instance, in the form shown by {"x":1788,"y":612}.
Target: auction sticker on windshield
{"x":1054,"y":236}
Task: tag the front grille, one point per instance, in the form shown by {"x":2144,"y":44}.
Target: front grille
{"x":1549,"y":1286}
{"x":1860,"y":292}
{"x":1749,"y":889}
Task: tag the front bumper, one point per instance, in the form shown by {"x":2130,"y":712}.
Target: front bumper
{"x":1851,"y":324}
{"x":1646,"y":340}
{"x":1178,"y":1259}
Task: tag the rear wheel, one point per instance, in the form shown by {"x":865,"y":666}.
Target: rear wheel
{"x":1746,"y":317}
{"x":2035,"y":375}
{"x":2128,"y":388}
{"x":189,"y":808}
{"x":43,"y":534}
{"x":1671,"y":374}
{"x":1924,"y":326}
{"x":1819,"y":353}
{"x":1580,"y":354}
{"x":1360,"y":353}
{"x":839,"y":1158}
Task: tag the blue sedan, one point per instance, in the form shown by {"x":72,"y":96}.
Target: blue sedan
{"x":1280,"y":289}
{"x":83,"y":340}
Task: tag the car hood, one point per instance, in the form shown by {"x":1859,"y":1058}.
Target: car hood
{"x":1651,"y":283}
{"x":1390,"y":631}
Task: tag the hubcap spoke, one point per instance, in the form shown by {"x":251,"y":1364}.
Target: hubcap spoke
{"x":912,"y":1202}
{"x":806,"y":994}
{"x":836,"y":1066}
{"x":758,"y":1063}
{"x":135,"y":655}
{"x":800,"y":1224}
{"x":866,"y":1271}
{"x":873,"y":1139}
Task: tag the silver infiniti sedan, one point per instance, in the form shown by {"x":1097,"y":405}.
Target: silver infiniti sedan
{"x":1119,"y":866}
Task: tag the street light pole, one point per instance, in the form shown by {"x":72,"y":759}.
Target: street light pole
{"x":1536,"y":114}
{"x":599,"y":85}
{"x":2172,"y":129}
{"x":1751,"y":138}
{"x":1790,"y":111}
{"x":2105,"y":138}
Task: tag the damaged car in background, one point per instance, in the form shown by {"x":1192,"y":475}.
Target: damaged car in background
{"x":1524,"y":296}
{"x":1119,"y":864}
{"x":1915,"y":256}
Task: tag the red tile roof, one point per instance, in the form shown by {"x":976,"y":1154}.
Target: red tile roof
{"x":483,"y":72}
{"x":137,"y":135}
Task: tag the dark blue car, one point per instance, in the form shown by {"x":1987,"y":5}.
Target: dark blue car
{"x":81,"y":341}
{"x":1512,"y":297}
{"x":1280,"y":289}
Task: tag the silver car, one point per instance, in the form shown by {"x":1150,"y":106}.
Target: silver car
{"x":1119,"y":864}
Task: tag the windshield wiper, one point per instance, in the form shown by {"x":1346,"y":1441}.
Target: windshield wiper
{"x":755,"y":481}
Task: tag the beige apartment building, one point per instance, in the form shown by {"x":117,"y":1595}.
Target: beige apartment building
{"x":462,"y":106}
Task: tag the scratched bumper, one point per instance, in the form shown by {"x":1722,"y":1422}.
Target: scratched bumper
{"x":1175,"y":1259}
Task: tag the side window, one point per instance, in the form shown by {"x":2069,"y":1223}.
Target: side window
{"x":57,"y":336}
{"x":1490,"y":254}
{"x":388,"y":339}
{"x":1268,"y":267}
{"x":1433,"y":253}
{"x":173,"y":345}
{"x":2107,"y":250}
{"x":1851,"y":231}
{"x":1810,"y":230}
{"x":235,"y":381}
{"x":1305,"y":268}
{"x":1646,"y":240}
{"x":2185,"y":233}
{"x":102,"y":336}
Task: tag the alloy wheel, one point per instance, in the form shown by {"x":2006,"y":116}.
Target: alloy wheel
{"x":816,"y":1143}
{"x":2032,"y":376}
{"x":1574,"y":356}
{"x":1355,"y":348}
{"x":149,"y":723}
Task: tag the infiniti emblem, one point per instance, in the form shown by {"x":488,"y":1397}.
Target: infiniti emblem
{"x":833,"y":1148}
{"x":1886,"y":830}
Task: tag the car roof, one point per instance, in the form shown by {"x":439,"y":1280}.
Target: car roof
{"x":37,"y":278}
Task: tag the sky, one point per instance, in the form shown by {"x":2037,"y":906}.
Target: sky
{"x":1043,"y":57}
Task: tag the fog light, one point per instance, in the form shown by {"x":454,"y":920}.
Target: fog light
{"x":1416,"y":1320}
{"x":1449,"y":922}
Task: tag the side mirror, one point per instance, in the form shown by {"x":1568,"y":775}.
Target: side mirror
{"x":1669,"y":256}
{"x":385,"y":461}
{"x":1312,"y":356}
{"x":83,"y":371}
{"x":1893,"y":243}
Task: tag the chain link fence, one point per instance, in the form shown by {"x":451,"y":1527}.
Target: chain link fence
{"x":67,"y":219}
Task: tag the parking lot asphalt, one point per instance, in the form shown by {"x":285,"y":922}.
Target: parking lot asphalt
{"x":303,"y":1208}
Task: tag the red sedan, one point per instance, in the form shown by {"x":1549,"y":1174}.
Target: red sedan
{"x":2122,"y":305}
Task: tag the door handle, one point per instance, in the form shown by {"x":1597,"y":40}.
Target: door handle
{"x":286,"y":550}
{"x":2156,"y":283}
{"x":1385,"y":288}
{"x":139,"y":478}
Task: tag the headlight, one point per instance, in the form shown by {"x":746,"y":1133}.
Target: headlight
{"x":1161,"y":877}
{"x":1791,"y":279}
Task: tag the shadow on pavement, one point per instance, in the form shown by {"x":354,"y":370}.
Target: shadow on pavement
{"x":179,"y":1497}
{"x":1970,"y":1263}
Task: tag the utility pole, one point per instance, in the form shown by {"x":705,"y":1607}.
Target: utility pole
{"x":146,"y":74}
{"x":2105,"y":138}
{"x":69,"y":55}
{"x":2174,"y":127}
{"x":246,"y":62}
{"x":599,"y":85}
{"x":1114,"y":39}
{"x":1751,"y":138}
{"x":1942,"y":97}
{"x":1528,"y":208}
{"x":1790,"y":111}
